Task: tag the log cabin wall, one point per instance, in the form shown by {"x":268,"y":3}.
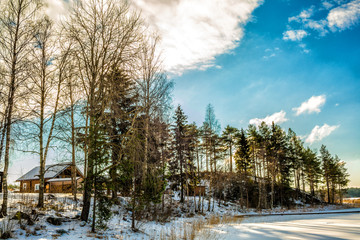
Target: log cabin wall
{"x":30,"y":186}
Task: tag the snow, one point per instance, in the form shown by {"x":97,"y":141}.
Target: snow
{"x":276,"y":226}
{"x":330,"y":226}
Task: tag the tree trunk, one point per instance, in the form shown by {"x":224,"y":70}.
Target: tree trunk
{"x":328,"y":189}
{"x":7,"y":153}
{"x":181,"y":180}
{"x":73,"y":157}
{"x":90,"y":172}
{"x":231,"y":158}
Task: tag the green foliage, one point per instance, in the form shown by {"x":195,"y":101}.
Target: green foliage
{"x":352,"y":192}
{"x":154,"y":186}
{"x":228,"y":137}
{"x":242,"y":155}
{"x":103,"y":203}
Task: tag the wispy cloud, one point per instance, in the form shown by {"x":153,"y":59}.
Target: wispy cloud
{"x":318,"y":133}
{"x":303,"y":16}
{"x":312,"y":105}
{"x":277,"y":118}
{"x":327,"y":5}
{"x":270,"y":52}
{"x":339,"y":16}
{"x":294,"y":35}
{"x":304,"y":48}
{"x":195,"y":32}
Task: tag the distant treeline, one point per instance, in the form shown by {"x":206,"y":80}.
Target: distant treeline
{"x":352,"y":192}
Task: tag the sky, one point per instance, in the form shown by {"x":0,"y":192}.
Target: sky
{"x":294,"y":62}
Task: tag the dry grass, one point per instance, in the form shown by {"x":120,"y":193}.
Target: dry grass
{"x":354,"y":202}
{"x":6,"y":227}
{"x":199,"y":228}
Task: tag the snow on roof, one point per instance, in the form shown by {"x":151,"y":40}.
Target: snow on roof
{"x":51,"y":171}
{"x":61,"y":179}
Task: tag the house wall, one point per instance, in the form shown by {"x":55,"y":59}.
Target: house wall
{"x":200,"y":190}
{"x":63,"y":187}
{"x":60,"y":188}
{"x":50,"y":187}
{"x":30,"y":186}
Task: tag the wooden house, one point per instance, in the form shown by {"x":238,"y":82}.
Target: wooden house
{"x":57,"y":179}
{"x":199,"y":191}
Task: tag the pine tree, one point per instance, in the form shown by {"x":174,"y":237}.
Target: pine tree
{"x":228,"y":137}
{"x":312,"y":168}
{"x":242,"y":155}
{"x":326,"y":164}
{"x":178,"y":163}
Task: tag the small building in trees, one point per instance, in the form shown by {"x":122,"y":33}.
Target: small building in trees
{"x":57,"y":179}
{"x":199,"y":191}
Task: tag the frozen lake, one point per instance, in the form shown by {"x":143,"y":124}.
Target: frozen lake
{"x":325,"y":226}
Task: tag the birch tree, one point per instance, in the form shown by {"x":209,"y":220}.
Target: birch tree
{"x":153,"y":85}
{"x":44,"y":83}
{"x":17,"y":29}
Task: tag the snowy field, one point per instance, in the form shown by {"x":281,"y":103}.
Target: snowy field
{"x":324,"y":226}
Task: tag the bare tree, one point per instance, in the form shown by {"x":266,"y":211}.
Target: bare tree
{"x":72,"y":94}
{"x":104,"y":35}
{"x":154,"y":87}
{"x":16,"y":35}
{"x":45,"y":84}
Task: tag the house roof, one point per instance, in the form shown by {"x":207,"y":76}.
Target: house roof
{"x":51,"y":171}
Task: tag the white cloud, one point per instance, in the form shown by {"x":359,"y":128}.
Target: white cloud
{"x":56,"y":9}
{"x":277,"y":118}
{"x":344,"y":16}
{"x":312,"y":105}
{"x":294,"y":35}
{"x":319,"y":26}
{"x":318,"y":133}
{"x":195,"y":32}
{"x":339,"y":16}
{"x":304,"y":48}
{"x":327,"y":4}
{"x":303,"y":16}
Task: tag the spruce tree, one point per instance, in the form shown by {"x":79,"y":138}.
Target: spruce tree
{"x":178,"y":163}
{"x":122,"y":100}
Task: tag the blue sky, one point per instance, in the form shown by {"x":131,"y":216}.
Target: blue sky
{"x":267,"y":73}
{"x":295,"y":62}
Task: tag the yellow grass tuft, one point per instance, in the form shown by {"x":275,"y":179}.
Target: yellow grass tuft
{"x":354,"y":202}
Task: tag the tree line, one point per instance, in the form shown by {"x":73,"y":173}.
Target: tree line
{"x":91,"y":86}
{"x":272,"y":166}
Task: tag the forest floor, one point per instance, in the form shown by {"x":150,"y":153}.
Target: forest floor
{"x":226,"y":221}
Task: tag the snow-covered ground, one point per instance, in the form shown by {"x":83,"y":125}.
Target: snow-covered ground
{"x":340,"y":226}
{"x":329,"y":226}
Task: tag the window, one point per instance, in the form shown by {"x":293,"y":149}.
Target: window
{"x":37,"y":187}
{"x":24,"y":186}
